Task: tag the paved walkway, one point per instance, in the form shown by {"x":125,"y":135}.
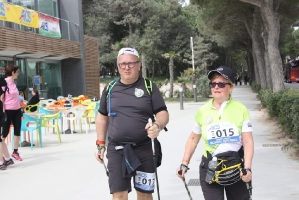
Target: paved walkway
{"x":69,"y":171}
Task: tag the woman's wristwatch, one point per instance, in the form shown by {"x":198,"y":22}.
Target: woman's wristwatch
{"x":248,"y":169}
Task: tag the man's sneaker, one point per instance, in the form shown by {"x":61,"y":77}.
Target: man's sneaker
{"x":16,"y":156}
{"x":9,"y":162}
{"x":3,"y":167}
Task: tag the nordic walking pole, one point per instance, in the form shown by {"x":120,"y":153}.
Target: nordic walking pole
{"x":186,"y":186}
{"x":106,"y":169}
{"x":107,"y":172}
{"x":154,"y":157}
{"x":248,"y":185}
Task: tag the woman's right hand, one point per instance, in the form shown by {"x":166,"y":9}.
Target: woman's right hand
{"x":181,"y":173}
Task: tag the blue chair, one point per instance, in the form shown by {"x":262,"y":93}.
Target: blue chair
{"x":26,"y":125}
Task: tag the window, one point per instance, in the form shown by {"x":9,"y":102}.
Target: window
{"x":48,"y":7}
{"x":25,"y":3}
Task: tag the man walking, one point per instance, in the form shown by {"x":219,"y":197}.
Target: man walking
{"x":125,"y":107}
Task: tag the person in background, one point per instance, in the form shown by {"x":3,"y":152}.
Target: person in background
{"x":34,"y":100}
{"x":12,"y":109}
{"x":224,"y":125}
{"x":21,"y":98}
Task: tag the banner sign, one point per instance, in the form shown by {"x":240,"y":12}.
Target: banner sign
{"x":49,"y":26}
{"x":18,"y":14}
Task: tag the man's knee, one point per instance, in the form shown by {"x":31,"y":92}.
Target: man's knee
{"x":144,"y":196}
{"x":122,"y":195}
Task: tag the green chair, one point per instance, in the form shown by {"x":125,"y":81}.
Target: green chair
{"x":56,"y":117}
{"x":29,"y":108}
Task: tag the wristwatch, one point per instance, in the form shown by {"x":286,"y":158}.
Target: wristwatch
{"x":248,"y":169}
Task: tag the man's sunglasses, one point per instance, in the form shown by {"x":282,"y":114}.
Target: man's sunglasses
{"x":220,"y":84}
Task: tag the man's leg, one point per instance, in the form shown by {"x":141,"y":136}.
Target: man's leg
{"x":144,"y":196}
{"x":122,"y":195}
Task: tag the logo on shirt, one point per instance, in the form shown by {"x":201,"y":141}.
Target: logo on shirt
{"x":209,"y":120}
{"x":249,"y":124}
{"x":139,"y":92}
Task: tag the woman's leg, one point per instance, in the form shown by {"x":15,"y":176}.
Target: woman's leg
{"x":16,"y":120}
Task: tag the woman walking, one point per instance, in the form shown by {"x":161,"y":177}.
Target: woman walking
{"x":12,"y":109}
{"x":225,"y":127}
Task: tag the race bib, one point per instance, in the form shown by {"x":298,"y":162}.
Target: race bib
{"x":223,"y":132}
{"x":145,"y":181}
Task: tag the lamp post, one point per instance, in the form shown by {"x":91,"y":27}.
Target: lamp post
{"x":181,"y":98}
{"x":193,"y":75}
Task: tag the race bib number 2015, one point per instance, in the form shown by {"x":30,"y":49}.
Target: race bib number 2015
{"x":222,"y":133}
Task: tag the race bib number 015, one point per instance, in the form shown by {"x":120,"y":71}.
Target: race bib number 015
{"x":222,"y":133}
{"x":145,"y":181}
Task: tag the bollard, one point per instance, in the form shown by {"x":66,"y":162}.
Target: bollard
{"x":194,"y":93}
{"x":181,"y":99}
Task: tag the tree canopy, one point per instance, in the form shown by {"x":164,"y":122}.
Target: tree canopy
{"x":253,"y":37}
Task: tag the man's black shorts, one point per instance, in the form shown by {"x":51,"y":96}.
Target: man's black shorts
{"x":144,"y":180}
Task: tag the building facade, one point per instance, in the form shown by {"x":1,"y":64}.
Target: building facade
{"x":53,"y":54}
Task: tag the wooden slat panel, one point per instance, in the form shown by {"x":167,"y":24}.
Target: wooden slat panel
{"x":28,"y":42}
{"x":92,"y":66}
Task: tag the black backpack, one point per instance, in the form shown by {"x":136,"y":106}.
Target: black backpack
{"x":3,"y":83}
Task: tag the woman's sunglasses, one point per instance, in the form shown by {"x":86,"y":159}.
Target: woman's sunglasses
{"x":220,"y":84}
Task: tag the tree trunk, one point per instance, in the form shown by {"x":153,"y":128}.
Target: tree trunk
{"x":256,"y":70}
{"x":250,"y":64}
{"x":171,"y":77}
{"x":153,"y":70}
{"x":258,"y":48}
{"x":272,"y":26}
{"x":143,"y":64}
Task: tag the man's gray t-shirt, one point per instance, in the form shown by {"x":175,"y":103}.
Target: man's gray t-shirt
{"x":133,"y":106}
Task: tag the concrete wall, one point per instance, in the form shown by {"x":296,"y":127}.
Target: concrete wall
{"x":73,"y":70}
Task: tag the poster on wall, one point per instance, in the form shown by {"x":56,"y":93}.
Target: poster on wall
{"x":18,"y":14}
{"x":36,"y":80}
{"x":49,"y":26}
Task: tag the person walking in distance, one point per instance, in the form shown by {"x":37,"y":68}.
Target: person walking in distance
{"x":225,"y":127}
{"x":12,"y":110}
{"x":126,"y":105}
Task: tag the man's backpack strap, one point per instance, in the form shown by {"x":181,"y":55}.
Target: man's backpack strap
{"x":148,"y":86}
{"x":110,"y":86}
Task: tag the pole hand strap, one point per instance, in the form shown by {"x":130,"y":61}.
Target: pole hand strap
{"x":100,"y":147}
{"x":183,"y":167}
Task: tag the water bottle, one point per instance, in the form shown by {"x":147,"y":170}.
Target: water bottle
{"x":211,"y":170}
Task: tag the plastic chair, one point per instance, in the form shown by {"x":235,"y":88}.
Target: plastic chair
{"x":26,"y":126}
{"x":86,"y":102}
{"x":46,"y":102}
{"x":55,"y":117}
{"x":90,"y":112}
{"x":75,"y":113}
{"x":27,"y":109}
{"x":60,"y":97}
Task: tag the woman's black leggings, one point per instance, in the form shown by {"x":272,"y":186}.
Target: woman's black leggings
{"x":12,"y":117}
